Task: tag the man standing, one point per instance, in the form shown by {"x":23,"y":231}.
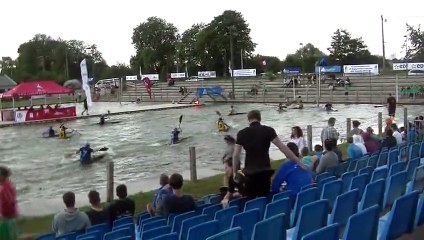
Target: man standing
{"x":85,"y":107}
{"x":256,"y":140}
{"x":391,"y":106}
{"x":329,"y":132}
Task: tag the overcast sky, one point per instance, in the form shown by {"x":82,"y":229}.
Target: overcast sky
{"x":277,"y":26}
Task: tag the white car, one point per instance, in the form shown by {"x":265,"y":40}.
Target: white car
{"x":415,"y":72}
{"x":194,"y":79}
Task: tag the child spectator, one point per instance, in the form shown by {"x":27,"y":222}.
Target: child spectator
{"x":96,"y":214}
{"x":122,"y":206}
{"x":178,"y":202}
{"x":8,"y":206}
{"x":306,"y":158}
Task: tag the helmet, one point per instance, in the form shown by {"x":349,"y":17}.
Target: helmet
{"x":87,"y":145}
{"x":220,"y":119}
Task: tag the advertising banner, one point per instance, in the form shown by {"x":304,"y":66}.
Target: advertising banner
{"x":152,"y":77}
{"x":328,"y":69}
{"x":20,"y":116}
{"x":84,"y":77}
{"x":178,"y":75}
{"x":131,"y":78}
{"x":244,"y":72}
{"x":291,"y":70}
{"x":206,"y":74}
{"x":411,"y":66}
{"x":361,"y":69}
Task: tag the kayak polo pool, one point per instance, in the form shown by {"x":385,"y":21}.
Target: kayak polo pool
{"x":43,"y":168}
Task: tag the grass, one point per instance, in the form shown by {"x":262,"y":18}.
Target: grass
{"x":38,"y":225}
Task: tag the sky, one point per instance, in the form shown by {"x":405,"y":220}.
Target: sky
{"x":278,"y":27}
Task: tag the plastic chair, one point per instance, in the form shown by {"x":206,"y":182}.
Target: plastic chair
{"x":122,"y":232}
{"x":257,"y":203}
{"x":102,"y":228}
{"x":345,"y":206}
{"x":373,"y":195}
{"x":359,"y":182}
{"x":410,"y":168}
{"x":422,"y":150}
{"x":97,"y":235}
{"x":282,"y":195}
{"x":68,"y":236}
{"x":246,"y":220}
{"x":190,"y":222}
{"x":313,"y":216}
{"x":278,"y":207}
{"x":417,"y":181}
{"x":225,"y":216}
{"x":393,"y":157}
{"x":396,"y":168}
{"x":341,"y":168}
{"x":379,"y":173}
{"x":131,"y":226}
{"x":239,"y":202}
{"x":322,"y":176}
{"x":47,"y":236}
{"x":395,"y":187}
{"x":169,"y":236}
{"x":347,"y":179}
{"x":419,"y":217}
{"x":331,"y":232}
{"x":400,"y":219}
{"x":352,"y":165}
{"x":372,"y":162}
{"x":231,"y":234}
{"x":156,"y":232}
{"x":361,"y":163}
{"x":125,"y":238}
{"x":154,"y":224}
{"x":414,"y":151}
{"x":203,"y":231}
{"x":362,"y":225}
{"x":330,"y":191}
{"x":122,"y":221}
{"x":211,"y":210}
{"x":275,"y":225}
{"x":302,"y":199}
{"x":199,"y":209}
{"x":366,"y":170}
{"x":147,"y":221}
{"x":306,"y":187}
{"x":382,"y":158}
{"x":332,"y":170}
{"x":215,"y":199}
{"x":142,"y":216}
{"x":178,"y":220}
{"x":171,"y":218}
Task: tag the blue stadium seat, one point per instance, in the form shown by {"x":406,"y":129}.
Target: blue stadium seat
{"x":131,"y":226}
{"x":361,"y":163}
{"x":366,"y":170}
{"x":156,"y":232}
{"x":239,"y":202}
{"x":341,"y":168}
{"x":278,"y":207}
{"x":345,"y":206}
{"x":393,"y":157}
{"x":400,"y":219}
{"x":395,"y":187}
{"x":142,"y":216}
{"x":169,"y":236}
{"x":372,"y":162}
{"x":330,"y":232}
{"x":417,"y":181}
{"x":313,"y":216}
{"x":191,"y":222}
{"x":215,"y":199}
{"x":312,"y":185}
{"x":68,"y":236}
{"x":362,"y":225}
{"x":347,"y":179}
{"x":373,"y":195}
{"x":230,"y":234}
{"x":171,"y":218}
{"x":330,"y":191}
{"x":321,"y":183}
{"x":422,"y":150}
{"x":359,"y":182}
{"x":211,"y":210}
{"x":410,"y":168}
{"x":403,"y":153}
{"x":246,"y":220}
{"x":332,"y":170}
{"x":322,"y":176}
{"x":396,"y":168}
{"x":352,"y":165}
{"x":302,"y":199}
{"x":122,"y":221}
{"x":382,"y":158}
{"x":379,"y":173}
{"x":203,"y":231}
{"x":414,"y":151}
{"x":419,"y":217}
{"x":97,"y":235}
{"x":272,"y":228}
{"x":126,"y":238}
{"x":282,"y":195}
{"x":148,"y":220}
{"x":122,"y":232}
{"x":199,"y":209}
{"x":154,"y":224}
{"x":225,"y":216}
{"x":102,"y":228}
{"x":257,"y":203}
{"x":47,"y":236}
{"x":178,"y":220}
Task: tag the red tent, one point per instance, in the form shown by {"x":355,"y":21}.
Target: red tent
{"x":28,"y":89}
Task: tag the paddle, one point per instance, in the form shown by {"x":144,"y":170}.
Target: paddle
{"x":180,"y":120}
{"x":103,"y":149}
{"x":218,"y":113}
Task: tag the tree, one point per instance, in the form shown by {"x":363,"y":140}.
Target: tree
{"x":7,"y":66}
{"x":415,"y":50}
{"x":264,"y":63}
{"x":155,"y":43}
{"x":347,"y":50}
{"x":188,"y":49}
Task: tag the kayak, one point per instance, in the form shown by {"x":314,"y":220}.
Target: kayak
{"x":94,"y":158}
{"x":107,"y":122}
{"x":180,"y":140}
{"x":231,"y":114}
{"x":225,"y":130}
{"x":46,"y":134}
{"x":68,"y":135}
{"x":331,"y":110}
{"x":281,"y":110}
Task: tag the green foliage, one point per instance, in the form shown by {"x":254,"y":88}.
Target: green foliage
{"x":270,"y":76}
{"x":415,"y":51}
{"x":272,"y":64}
{"x":347,"y":50}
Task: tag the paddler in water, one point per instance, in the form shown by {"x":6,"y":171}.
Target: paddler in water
{"x":299,"y":103}
{"x":62,"y":131}
{"x":174,"y":135}
{"x":51,"y":132}
{"x":102,"y":120}
{"x":232,"y":111}
{"x":221,"y":125}
{"x":328,"y":107}
{"x":85,"y":153}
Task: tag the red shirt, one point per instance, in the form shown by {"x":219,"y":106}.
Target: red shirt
{"x":8,"y":206}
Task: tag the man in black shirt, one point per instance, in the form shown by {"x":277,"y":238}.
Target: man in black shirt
{"x":391,"y":105}
{"x":178,"y":202}
{"x":96,"y":214}
{"x":122,"y":206}
{"x":256,"y":140}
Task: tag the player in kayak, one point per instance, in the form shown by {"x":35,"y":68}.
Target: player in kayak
{"x":328,"y":107}
{"x":232,"y":111}
{"x":62,"y":131}
{"x":175,"y":135}
{"x":221,"y":125}
{"x":102,"y":120}
{"x":85,"y":153}
{"x":51,"y":132}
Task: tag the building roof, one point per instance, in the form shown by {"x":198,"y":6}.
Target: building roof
{"x":6,"y":82}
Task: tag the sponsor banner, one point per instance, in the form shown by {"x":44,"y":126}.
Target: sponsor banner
{"x":84,"y":77}
{"x":244,"y":72}
{"x":131,"y":78}
{"x":408,"y":66}
{"x":178,"y":75}
{"x":20,"y":116}
{"x":358,"y":69}
{"x":291,"y":70}
{"x":206,"y":74}
{"x":44,"y":114}
{"x":152,"y":77}
{"x":328,"y":69}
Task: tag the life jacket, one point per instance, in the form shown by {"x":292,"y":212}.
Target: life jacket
{"x":221,"y":126}
{"x":62,"y":133}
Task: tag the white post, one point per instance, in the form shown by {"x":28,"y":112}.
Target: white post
{"x":397,"y":88}
{"x":319,"y":86}
{"x":13,"y":102}
{"x":120,"y":88}
{"x":294,"y":90}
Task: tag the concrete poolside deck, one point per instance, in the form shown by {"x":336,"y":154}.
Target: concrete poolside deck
{"x":146,"y":108}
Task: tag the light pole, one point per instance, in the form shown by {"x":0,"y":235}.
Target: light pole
{"x":92,"y":48}
{"x":301,"y":56}
{"x":66,"y":65}
{"x":232,"y":63}
{"x":383,"y":20}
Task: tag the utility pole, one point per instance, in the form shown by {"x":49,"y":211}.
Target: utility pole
{"x":232,"y":63}
{"x":382,"y":38}
{"x":67,"y":65}
{"x":241,"y":58}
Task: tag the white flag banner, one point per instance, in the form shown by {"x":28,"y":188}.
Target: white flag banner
{"x":85,"y":86}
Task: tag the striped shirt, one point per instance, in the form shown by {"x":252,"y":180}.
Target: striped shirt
{"x":329,"y":133}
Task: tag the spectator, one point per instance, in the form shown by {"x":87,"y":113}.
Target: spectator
{"x":412,"y":132}
{"x":329,"y":159}
{"x":397,"y":134}
{"x":298,"y":138}
{"x":294,"y":176}
{"x":178,"y":202}
{"x":8,"y":206}
{"x":391,"y":106}
{"x":353,"y":151}
{"x":70,"y":219}
{"x":389,"y":141}
{"x":370,"y":143}
{"x":356,"y":130}
{"x":374,"y":137}
{"x":306,"y":158}
{"x":329,"y":132}
{"x":256,"y":140}
{"x":358,"y":141}
{"x":318,"y":154}
{"x":122,"y":206}
{"x":156,"y":207}
{"x":336,"y":150}
{"x":232,"y":185}
{"x":96,"y":214}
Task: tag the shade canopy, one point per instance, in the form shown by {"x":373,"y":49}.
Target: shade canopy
{"x":28,"y":89}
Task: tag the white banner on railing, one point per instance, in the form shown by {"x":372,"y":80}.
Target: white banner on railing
{"x":178,"y":75}
{"x":84,"y":77}
{"x":20,"y":116}
{"x":206,"y":74}
{"x":152,"y":77}
{"x":411,"y":66}
{"x":361,"y":69}
{"x":131,"y":78}
{"x":244,"y":72}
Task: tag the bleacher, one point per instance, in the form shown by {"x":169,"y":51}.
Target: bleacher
{"x":374,"y":197}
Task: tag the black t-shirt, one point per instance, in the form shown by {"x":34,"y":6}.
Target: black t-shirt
{"x":389,"y":142}
{"x":97,"y":217}
{"x":121,"y":207}
{"x":256,"y":140}
{"x":392,"y":102}
{"x":175,"y":204}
